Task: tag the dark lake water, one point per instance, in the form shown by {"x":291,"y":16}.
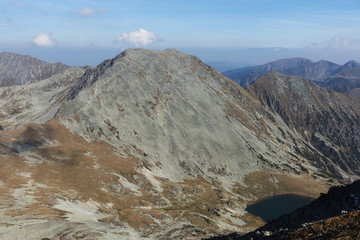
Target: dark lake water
{"x":274,"y":207}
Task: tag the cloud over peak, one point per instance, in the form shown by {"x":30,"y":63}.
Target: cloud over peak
{"x":138,"y":38}
{"x":43,"y":40}
{"x":87,"y":11}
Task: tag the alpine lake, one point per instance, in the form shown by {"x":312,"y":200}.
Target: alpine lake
{"x":275,"y":206}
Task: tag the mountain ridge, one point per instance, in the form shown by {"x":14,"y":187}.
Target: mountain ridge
{"x":315,"y":113}
{"x":16,"y":69}
{"x":156,"y":143}
{"x":161,"y":96}
{"x":341,"y":78}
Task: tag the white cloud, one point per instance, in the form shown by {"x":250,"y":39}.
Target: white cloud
{"x":43,"y":40}
{"x":138,"y":38}
{"x":344,"y":42}
{"x":87,"y":11}
{"x":339,"y":42}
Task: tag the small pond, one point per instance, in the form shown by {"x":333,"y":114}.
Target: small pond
{"x":274,"y":207}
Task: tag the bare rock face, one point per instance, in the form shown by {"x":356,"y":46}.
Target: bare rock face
{"x":17,"y":69}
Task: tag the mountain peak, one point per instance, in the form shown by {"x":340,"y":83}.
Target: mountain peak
{"x":160,"y":145}
{"x":352,"y":64}
{"x":144,"y":51}
{"x":136,"y":57}
{"x":282,"y":85}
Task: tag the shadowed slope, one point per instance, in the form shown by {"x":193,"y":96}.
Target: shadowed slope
{"x":328,"y":120}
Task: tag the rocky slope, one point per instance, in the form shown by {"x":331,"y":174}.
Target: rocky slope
{"x":152,"y":145}
{"x":327,"y":120}
{"x":18,"y":69}
{"x":334,"y":215}
{"x":36,"y":102}
{"x":188,"y":112}
{"x":355,"y":93}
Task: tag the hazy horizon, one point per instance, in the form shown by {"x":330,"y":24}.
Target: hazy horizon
{"x":86,"y":32}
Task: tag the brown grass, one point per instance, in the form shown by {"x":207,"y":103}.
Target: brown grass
{"x":260,"y":185}
{"x":69,"y":173}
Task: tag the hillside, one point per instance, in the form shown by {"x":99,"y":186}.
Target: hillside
{"x":355,"y":93}
{"x":327,"y":120}
{"x":158,"y":145}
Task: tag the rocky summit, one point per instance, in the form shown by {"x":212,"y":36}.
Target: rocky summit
{"x":158,"y":145}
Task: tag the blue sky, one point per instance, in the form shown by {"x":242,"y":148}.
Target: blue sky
{"x":81,"y":32}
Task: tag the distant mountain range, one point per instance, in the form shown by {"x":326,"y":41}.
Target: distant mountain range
{"x":225,"y":66}
{"x":159,"y":145}
{"x":341,"y":78}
